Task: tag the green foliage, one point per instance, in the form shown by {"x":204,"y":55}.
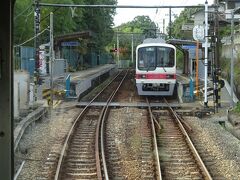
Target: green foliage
{"x":183,"y":18}
{"x":237,"y":108}
{"x":140,"y":24}
{"x":225,"y":31}
{"x":140,"y":27}
{"x":97,"y":20}
{"x":23,"y":21}
{"x":179,"y":59}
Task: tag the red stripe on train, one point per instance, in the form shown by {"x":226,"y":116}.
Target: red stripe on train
{"x":155,"y":76}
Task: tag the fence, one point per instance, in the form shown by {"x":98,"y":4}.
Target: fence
{"x":124,"y":63}
{"x":25,"y":58}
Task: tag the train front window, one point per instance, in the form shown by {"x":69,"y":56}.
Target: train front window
{"x":147,"y":58}
{"x":165,"y":57}
{"x":151,"y":57}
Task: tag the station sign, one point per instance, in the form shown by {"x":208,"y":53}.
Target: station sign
{"x":187,"y":27}
{"x":189,"y":47}
{"x":198,"y":33}
{"x":70,"y":43}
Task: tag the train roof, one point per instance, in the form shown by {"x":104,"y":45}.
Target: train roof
{"x":156,"y":44}
{"x":154,"y":40}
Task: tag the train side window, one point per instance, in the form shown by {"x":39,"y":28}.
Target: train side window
{"x":171,"y":58}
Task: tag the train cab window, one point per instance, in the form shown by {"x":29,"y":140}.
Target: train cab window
{"x":147,"y":58}
{"x":165,"y":57}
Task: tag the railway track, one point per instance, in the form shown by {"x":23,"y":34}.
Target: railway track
{"x":82,"y":160}
{"x":124,"y":159}
{"x":92,"y":151}
{"x":93,"y":148}
{"x":178,"y":156}
{"x":79,"y":155}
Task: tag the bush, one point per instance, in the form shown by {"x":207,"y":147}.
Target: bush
{"x":237,"y":107}
{"x":71,"y":69}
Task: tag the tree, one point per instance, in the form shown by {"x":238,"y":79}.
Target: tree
{"x":141,"y":27}
{"x":140,"y":24}
{"x":185,"y":17}
{"x":99,"y":20}
{"x":23,"y":21}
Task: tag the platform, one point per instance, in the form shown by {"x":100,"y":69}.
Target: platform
{"x":185,"y":88}
{"x":80,"y":81}
{"x":183,"y":84}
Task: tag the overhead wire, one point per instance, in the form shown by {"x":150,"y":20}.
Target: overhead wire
{"x":21,"y":13}
{"x":31,"y":38}
{"x":26,"y":20}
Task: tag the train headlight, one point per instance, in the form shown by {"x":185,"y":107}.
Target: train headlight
{"x":143,"y":76}
{"x":170,"y":76}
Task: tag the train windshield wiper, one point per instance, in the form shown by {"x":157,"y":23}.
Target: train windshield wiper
{"x":164,"y":68}
{"x":148,"y":67}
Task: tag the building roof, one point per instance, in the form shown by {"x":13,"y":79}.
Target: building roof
{"x":73,"y":36}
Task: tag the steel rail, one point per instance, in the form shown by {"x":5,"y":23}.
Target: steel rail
{"x":157,"y":160}
{"x":101,"y":123}
{"x":59,"y":166}
{"x":19,"y":171}
{"x":191,"y":146}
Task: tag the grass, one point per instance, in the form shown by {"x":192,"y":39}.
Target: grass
{"x":237,"y":108}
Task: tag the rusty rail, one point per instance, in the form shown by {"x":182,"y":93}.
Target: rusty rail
{"x":59,"y":165}
{"x":101,"y":123}
{"x":191,"y":146}
{"x":156,"y":157}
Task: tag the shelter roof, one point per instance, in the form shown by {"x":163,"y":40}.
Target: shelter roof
{"x":73,"y":36}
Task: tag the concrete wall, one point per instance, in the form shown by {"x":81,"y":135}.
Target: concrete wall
{"x":21,"y":92}
{"x":227,"y":49}
{"x":59,"y":67}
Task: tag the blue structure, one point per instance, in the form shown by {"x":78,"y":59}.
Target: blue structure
{"x":27,"y":58}
{"x":191,"y":88}
{"x":68,"y":81}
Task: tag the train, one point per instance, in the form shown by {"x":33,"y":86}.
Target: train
{"x":156,"y":68}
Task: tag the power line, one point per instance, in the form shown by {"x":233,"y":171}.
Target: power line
{"x":116,"y":6}
{"x":26,"y":20}
{"x":49,"y":14}
{"x":31,"y":38}
{"x":22,"y":12}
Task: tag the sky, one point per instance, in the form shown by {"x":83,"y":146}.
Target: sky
{"x":156,"y":15}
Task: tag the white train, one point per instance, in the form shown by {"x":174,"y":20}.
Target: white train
{"x":156,"y":68}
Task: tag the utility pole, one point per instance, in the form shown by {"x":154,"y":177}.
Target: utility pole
{"x":163,"y":26}
{"x":206,"y":55}
{"x":51,"y":56}
{"x":216,"y":70}
{"x":36,"y":44}
{"x":132,"y":48}
{"x":170,"y":23}
{"x":117,"y":48}
{"x":197,"y":59}
{"x":232,"y":58}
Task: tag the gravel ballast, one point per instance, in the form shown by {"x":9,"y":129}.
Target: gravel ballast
{"x":219,"y":144}
{"x":47,"y":135}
